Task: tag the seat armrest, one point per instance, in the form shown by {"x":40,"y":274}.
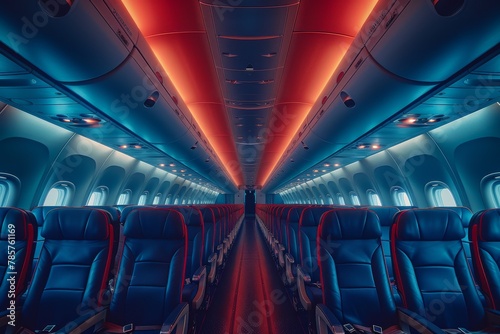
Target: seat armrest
{"x":200,"y":278}
{"x":199,"y":274}
{"x":326,"y":321}
{"x":289,"y":261}
{"x":493,"y":317}
{"x":302,"y":279}
{"x":411,"y":320}
{"x":213,"y":267}
{"x":220,"y":257}
{"x":281,"y":258}
{"x":177,"y":321}
{"x":86,"y":321}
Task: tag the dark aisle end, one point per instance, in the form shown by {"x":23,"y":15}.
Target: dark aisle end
{"x":250,"y":298}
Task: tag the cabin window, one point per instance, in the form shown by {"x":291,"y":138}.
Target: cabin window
{"x":490,"y":188}
{"x":124,"y":198}
{"x":143,"y":198}
{"x":59,"y":194}
{"x":168,"y":199}
{"x":496,"y":194}
{"x":157,"y":198}
{"x":355,"y":198}
{"x":439,"y":194}
{"x":176,"y":201}
{"x":98,"y":196}
{"x":400,"y":197}
{"x":329,"y":199}
{"x":9,"y":187}
{"x":341,"y":199}
{"x":373,"y":198}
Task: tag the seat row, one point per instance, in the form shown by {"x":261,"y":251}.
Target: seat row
{"x":343,"y":265}
{"x":141,"y":269}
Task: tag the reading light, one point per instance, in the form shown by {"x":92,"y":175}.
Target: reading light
{"x":151,"y":99}
{"x":348,"y":101}
{"x":304,"y":146}
{"x":162,"y":165}
{"x":336,"y":165}
{"x":123,"y":146}
{"x":249,"y":67}
{"x":375,"y":146}
{"x":195,"y":145}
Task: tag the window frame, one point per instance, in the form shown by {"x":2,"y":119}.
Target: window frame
{"x":143,"y":198}
{"x":11,"y":185}
{"x":125,"y":200}
{"x":103,"y":191}
{"x":433,"y":192}
{"x":65,"y":190}
{"x":354,"y":198}
{"x":396,"y":193}
{"x":371,"y":194}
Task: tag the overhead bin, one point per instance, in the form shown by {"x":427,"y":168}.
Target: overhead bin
{"x":423,"y":41}
{"x":84,"y":42}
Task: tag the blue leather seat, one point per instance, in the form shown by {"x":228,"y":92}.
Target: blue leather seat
{"x":431,"y":269}
{"x":465,"y":215}
{"x":115,"y":222}
{"x":194,"y":289}
{"x":209,"y":257}
{"x":308,"y":280}
{"x":385,"y":215}
{"x":150,"y":279}
{"x":18,"y":226}
{"x":354,"y":279}
{"x":386,"y":218}
{"x":40,"y":212}
{"x":484,"y":232}
{"x":72,"y":270}
{"x":282,"y":246}
{"x":292,"y":258}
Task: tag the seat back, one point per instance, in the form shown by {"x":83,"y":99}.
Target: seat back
{"x":465,"y":215}
{"x":152,"y":268}
{"x":17,"y":234}
{"x":72,"y":269}
{"x":431,"y":268}
{"x":484,"y":232}
{"x":292,"y":231}
{"x":40,"y":212}
{"x":283,"y":232}
{"x":352,"y":269}
{"x":386,"y":218}
{"x":308,"y":228}
{"x":196,"y":238}
{"x":209,"y":228}
{"x":115,"y":222}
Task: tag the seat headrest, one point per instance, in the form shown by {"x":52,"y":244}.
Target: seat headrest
{"x":429,"y":225}
{"x":350,"y":224}
{"x":192,"y":216}
{"x":152,"y":223}
{"x":76,"y":224}
{"x":312,"y":216}
{"x":14,"y":220}
{"x":464,"y":213}
{"x":208,"y":215}
{"x":114,"y":212}
{"x":41,"y":212}
{"x":126,"y":210}
{"x":488,"y":225}
{"x":385,"y":214}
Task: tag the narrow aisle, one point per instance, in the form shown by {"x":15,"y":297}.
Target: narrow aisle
{"x":250,"y":297}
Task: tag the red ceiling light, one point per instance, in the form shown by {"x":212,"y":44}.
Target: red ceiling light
{"x":323,"y":32}
{"x":182,"y":49}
